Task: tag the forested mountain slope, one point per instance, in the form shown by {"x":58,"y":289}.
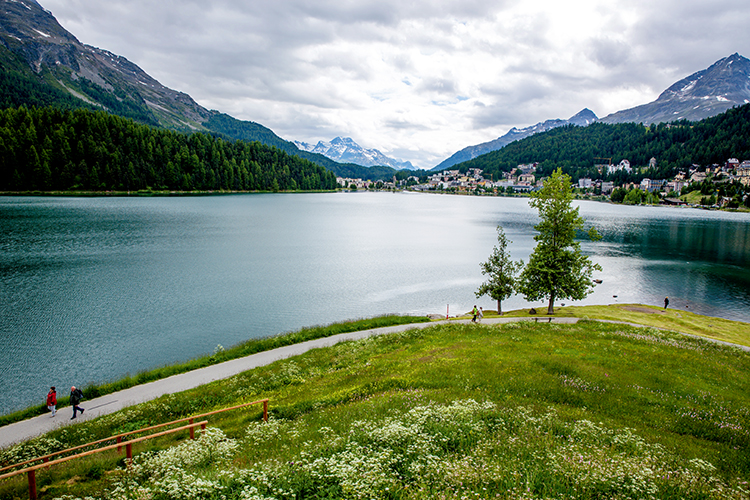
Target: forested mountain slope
{"x":42,"y":64}
{"x":52,"y":149}
{"x":676,"y":146}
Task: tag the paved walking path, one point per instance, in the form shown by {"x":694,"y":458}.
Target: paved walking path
{"x":26,"y":429}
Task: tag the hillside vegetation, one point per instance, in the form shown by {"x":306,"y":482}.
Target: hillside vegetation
{"x":519,"y":411}
{"x":49,"y":149}
{"x":20,"y":86}
{"x":676,"y":146}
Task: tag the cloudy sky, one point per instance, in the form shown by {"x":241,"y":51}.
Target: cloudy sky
{"x":417,"y":79}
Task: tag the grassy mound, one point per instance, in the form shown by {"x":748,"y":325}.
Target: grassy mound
{"x":673,"y":319}
{"x":521,"y":410}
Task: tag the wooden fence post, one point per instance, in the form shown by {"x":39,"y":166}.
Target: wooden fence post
{"x":32,"y":484}
{"x":265,"y":410}
{"x":129,"y":451}
{"x":192,"y":429}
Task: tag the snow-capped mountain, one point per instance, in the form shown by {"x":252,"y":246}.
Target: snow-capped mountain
{"x":345,"y":150}
{"x":583,"y":118}
{"x":723,"y":85}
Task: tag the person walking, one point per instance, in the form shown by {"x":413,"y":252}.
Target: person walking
{"x":480,"y":315}
{"x":666,"y":302}
{"x":75,"y":397}
{"x":474,"y":313}
{"x":52,"y":400}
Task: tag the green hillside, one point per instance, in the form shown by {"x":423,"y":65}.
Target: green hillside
{"x":20,"y":86}
{"x":49,"y":149}
{"x":676,"y":146}
{"x":515,"y":411}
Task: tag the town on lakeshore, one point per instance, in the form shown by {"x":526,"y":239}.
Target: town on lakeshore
{"x":696,"y":186}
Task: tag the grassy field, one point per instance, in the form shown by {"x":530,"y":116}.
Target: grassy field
{"x":522,"y":410}
{"x":220,"y":355}
{"x":668,"y":319}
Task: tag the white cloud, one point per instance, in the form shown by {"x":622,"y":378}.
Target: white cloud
{"x":417,"y":79}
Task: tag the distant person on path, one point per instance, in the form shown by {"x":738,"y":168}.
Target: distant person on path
{"x":52,"y":400}
{"x":666,"y":302}
{"x":481,"y":314}
{"x":75,"y":397}
{"x":474,"y":313}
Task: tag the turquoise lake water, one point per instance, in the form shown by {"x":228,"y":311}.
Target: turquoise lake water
{"x":94,"y":288}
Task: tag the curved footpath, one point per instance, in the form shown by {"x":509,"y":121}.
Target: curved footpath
{"x":27,"y":429}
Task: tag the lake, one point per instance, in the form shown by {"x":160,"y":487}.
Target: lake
{"x":92,"y":289}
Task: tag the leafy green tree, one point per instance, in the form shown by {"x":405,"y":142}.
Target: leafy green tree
{"x":634,"y":197}
{"x":557,"y":269}
{"x":618,"y":195}
{"x":502,"y":272}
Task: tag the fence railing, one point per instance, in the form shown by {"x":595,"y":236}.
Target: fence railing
{"x":31,"y":471}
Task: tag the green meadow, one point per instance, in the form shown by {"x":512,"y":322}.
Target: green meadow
{"x":522,"y":410}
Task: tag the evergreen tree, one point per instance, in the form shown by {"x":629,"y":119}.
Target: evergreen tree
{"x":52,"y":149}
{"x":501,"y":271}
{"x":557,"y":269}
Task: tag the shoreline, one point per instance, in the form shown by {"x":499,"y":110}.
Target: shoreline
{"x":638,"y":315}
{"x":23,"y":430}
{"x":167,"y":194}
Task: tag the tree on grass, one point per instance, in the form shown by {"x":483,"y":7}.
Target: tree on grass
{"x":557,"y":269}
{"x":501,"y":271}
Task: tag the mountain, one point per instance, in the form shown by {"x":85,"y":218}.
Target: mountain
{"x":345,"y":150}
{"x":583,"y":118}
{"x":55,"y":58}
{"x":676,"y":146}
{"x":42,"y":64}
{"x":724,"y":85}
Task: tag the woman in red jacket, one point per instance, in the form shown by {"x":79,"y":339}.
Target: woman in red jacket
{"x":52,"y":400}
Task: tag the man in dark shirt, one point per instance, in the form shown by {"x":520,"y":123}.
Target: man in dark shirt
{"x":75,"y":397}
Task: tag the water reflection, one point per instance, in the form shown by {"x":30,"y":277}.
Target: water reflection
{"x":700,"y":259}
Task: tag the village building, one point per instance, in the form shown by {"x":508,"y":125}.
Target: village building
{"x":623,"y":165}
{"x":676,"y":185}
{"x":698,"y":177}
{"x":526,"y":179}
{"x":346,"y":182}
{"x":527,"y":168}
{"x":743,"y":173}
{"x":651,"y":185}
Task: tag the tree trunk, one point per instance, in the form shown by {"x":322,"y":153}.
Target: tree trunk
{"x":551,"y":306}
{"x":499,"y":311}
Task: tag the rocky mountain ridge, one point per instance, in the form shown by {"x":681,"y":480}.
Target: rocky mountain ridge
{"x":94,"y":75}
{"x":41,"y":63}
{"x":582,"y":118}
{"x":346,"y":150}
{"x":706,"y":93}
{"x":35,"y":46}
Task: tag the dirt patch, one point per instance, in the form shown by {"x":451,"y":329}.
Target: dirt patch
{"x":639,"y":309}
